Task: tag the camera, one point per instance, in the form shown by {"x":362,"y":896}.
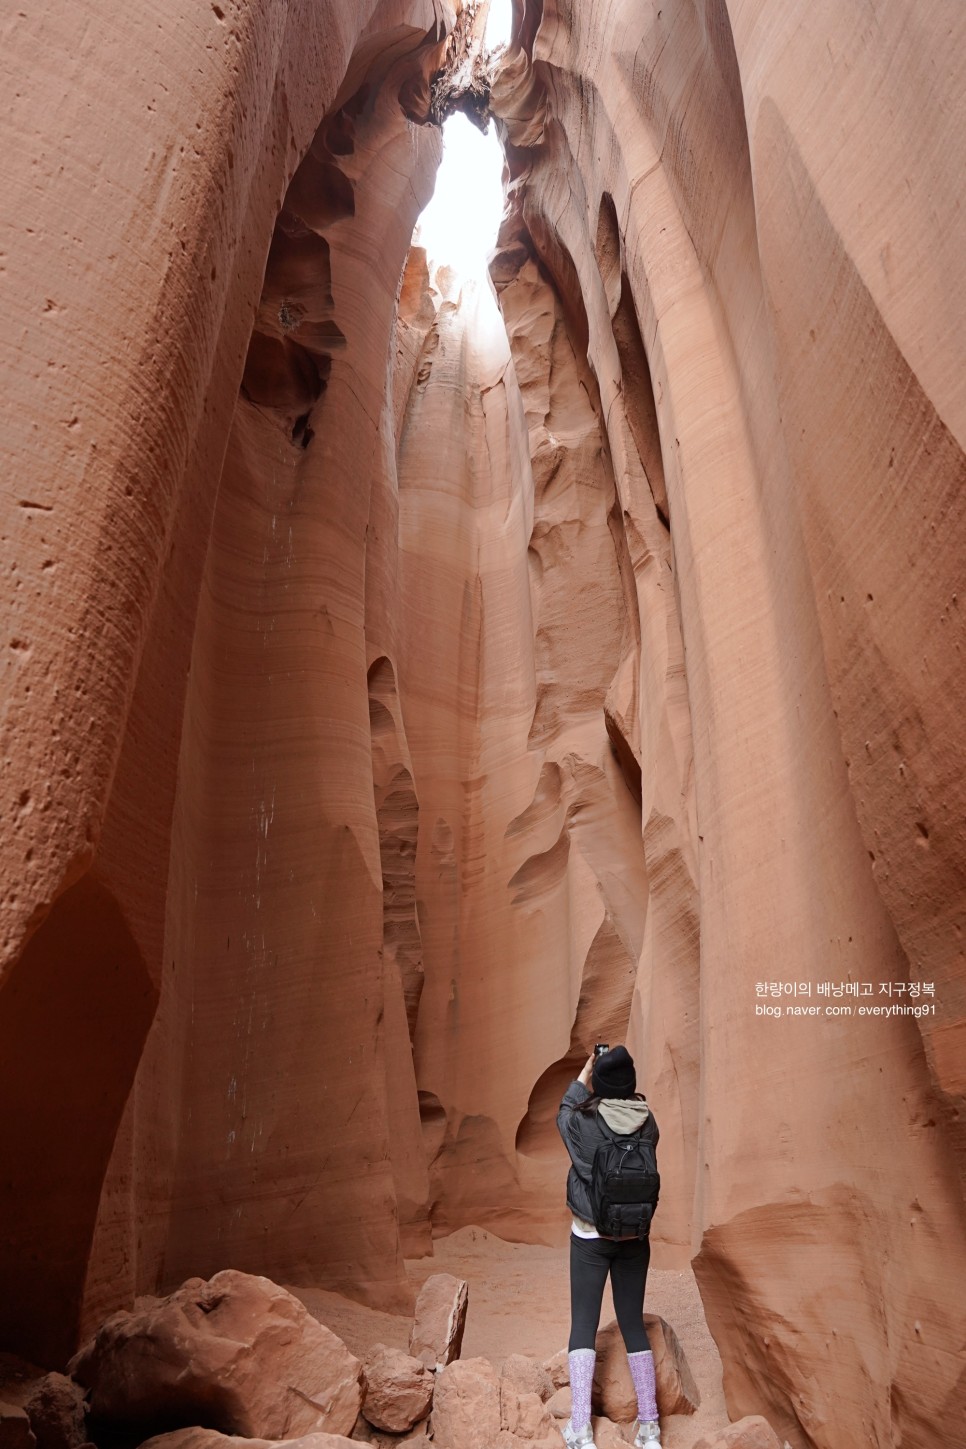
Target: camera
{"x":600,"y":1047}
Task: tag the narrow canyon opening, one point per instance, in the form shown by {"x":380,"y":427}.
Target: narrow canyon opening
{"x":458,"y":227}
{"x":483,"y":578}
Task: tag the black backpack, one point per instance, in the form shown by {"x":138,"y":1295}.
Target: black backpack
{"x":624,"y":1185}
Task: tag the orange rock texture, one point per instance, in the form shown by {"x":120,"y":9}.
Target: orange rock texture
{"x":751,"y":221}
{"x":411,"y":681}
{"x":193,"y":999}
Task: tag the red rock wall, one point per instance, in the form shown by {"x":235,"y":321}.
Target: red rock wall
{"x":298,"y":1104}
{"x":148,"y":156}
{"x":768,"y":189}
{"x":529,"y":865}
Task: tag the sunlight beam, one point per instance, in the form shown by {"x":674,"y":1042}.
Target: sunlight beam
{"x":498,"y":24}
{"x":459,"y":225}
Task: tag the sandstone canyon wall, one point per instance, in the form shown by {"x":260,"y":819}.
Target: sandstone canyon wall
{"x":760,"y":250}
{"x":409,"y":685}
{"x":167,"y":158}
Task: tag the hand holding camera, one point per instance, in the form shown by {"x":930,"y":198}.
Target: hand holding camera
{"x":599,"y":1049}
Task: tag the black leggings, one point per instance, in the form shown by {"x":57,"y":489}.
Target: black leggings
{"x":591,"y":1259}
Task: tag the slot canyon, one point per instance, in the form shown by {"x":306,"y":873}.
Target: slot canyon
{"x":413,"y":677}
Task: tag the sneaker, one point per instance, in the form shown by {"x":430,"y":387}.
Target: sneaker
{"x":648,"y":1435}
{"x":578,"y":1438}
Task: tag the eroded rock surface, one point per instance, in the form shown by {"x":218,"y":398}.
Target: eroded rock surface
{"x":466,"y":1405}
{"x":558,"y":1367}
{"x":779,"y":784}
{"x":237,"y":1354}
{"x":196,"y":1438}
{"x":560,"y":1402}
{"x":398,"y":1389}
{"x":135,"y":550}
{"x":527,"y":1376}
{"x":752,"y":1432}
{"x":15,"y":1431}
{"x":438,"y":1326}
{"x":614,"y":1394}
{"x":474,"y":1408}
{"x":57,"y":1409}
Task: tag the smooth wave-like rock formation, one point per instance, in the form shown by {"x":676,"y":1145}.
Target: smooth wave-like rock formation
{"x":411,"y":681}
{"x":755,"y":246}
{"x":193,"y":857}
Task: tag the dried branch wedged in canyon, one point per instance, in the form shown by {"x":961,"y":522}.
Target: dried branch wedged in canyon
{"x":405,"y":692}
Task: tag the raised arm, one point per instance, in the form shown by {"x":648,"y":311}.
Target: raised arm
{"x":577,"y":1092}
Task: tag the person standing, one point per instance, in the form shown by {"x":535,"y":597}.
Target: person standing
{"x":600,"y":1106}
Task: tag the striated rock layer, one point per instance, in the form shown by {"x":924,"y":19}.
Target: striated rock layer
{"x":411,"y":681}
{"x":529,"y":865}
{"x":191,"y":854}
{"x":733,"y":208}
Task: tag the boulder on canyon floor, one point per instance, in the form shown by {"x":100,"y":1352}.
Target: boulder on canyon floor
{"x":237,"y":1353}
{"x":439,"y":1321}
{"x":608,"y":1435}
{"x":399,"y":1389}
{"x":560,"y":1402}
{"x":525,"y":1419}
{"x":752,"y":1432}
{"x":57,"y":1413}
{"x":614,"y":1393}
{"x":527,"y":1376}
{"x":364,"y":1433}
{"x":474,"y":1408}
{"x":466,"y":1405}
{"x":14,"y":1427}
{"x":558,"y":1367}
{"x":196,"y":1438}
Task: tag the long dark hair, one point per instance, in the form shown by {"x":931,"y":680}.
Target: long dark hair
{"x":594,"y":1101}
{"x":590,"y":1105}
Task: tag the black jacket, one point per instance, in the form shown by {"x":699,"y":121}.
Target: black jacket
{"x":582,"y":1135}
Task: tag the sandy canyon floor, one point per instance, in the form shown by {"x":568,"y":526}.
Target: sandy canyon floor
{"x":519,"y":1302}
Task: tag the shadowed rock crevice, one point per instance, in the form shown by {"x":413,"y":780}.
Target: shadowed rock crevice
{"x":397,"y":817}
{"x":290,"y":354}
{"x":638,"y":394}
{"x":74,"y":1013}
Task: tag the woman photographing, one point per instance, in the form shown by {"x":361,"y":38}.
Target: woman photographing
{"x":611,"y":1136}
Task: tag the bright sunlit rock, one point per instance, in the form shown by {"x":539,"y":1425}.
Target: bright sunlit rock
{"x":498,"y":23}
{"x":458,"y":228}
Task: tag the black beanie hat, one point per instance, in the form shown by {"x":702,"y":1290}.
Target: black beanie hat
{"x":613,"y":1074}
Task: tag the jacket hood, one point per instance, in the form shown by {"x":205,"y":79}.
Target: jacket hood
{"x":624,"y":1114}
